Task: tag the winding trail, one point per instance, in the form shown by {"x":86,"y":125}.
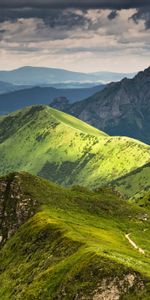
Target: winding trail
{"x":133,"y":244}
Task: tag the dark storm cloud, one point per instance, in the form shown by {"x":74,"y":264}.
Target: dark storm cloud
{"x":113,"y":14}
{"x":54,"y":13}
{"x":52,"y":18}
{"x":111,"y":4}
{"x":143,"y":14}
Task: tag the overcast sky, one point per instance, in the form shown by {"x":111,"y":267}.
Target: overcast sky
{"x":85,"y":35}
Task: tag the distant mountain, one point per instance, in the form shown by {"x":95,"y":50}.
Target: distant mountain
{"x":39,"y":76}
{"x":61,"y":148}
{"x":122,"y":108}
{"x":112,"y":76}
{"x":42,"y":95}
{"x":6,"y":87}
{"x":67,"y":244}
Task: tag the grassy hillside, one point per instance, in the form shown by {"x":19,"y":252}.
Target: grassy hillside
{"x":71,"y":243}
{"x":54,"y":145}
{"x":135,"y":183}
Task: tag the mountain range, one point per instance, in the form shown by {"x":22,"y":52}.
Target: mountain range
{"x":38,"y":76}
{"x":121,"y":108}
{"x":63,"y":149}
{"x":75,"y":200}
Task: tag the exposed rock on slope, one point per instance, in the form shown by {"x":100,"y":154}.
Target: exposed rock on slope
{"x":122,"y":108}
{"x":15,"y":207}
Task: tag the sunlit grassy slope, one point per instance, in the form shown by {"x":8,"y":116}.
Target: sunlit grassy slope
{"x":52,"y":144}
{"x":74,"y":247}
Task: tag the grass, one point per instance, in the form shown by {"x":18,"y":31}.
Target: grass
{"x":54,"y":145}
{"x":135,"y":183}
{"x":73,"y":243}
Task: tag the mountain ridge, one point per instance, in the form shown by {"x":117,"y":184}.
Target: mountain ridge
{"x":63,"y":149}
{"x":42,"y":95}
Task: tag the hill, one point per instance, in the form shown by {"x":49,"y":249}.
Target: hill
{"x":42,"y":95}
{"x":61,"y":148}
{"x":70,"y":244}
{"x":122,"y":108}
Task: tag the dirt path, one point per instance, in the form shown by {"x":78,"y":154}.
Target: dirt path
{"x":133,"y":244}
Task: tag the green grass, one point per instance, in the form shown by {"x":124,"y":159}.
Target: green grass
{"x":43,"y":141}
{"x":73,"y":244}
{"x":135,"y":183}
{"x":76,"y":123}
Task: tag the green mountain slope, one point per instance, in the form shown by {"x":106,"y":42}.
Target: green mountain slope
{"x":135,"y":183}
{"x":69,"y":244}
{"x":54,"y":145}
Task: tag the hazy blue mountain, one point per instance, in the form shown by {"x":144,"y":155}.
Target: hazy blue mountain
{"x":37,"y":76}
{"x":42,"y":95}
{"x":6,"y":87}
{"x":112,"y":76}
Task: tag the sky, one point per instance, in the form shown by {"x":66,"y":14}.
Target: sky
{"x":85,"y":35}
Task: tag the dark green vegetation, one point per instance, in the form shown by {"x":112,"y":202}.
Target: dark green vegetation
{"x":63,"y":149}
{"x":70,"y":243}
{"x":122,"y":108}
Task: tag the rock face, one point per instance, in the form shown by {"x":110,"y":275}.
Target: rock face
{"x":61,"y":103}
{"x":15,"y":207}
{"x":114,"y":289}
{"x":122,"y":108}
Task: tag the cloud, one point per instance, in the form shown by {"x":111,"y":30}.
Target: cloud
{"x":56,"y":13}
{"x":113,"y":14}
{"x":109,"y":4}
{"x":80,"y":38}
{"x":142,"y":14}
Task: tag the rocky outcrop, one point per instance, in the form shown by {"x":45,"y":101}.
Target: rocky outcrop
{"x":15,"y":207}
{"x":61,"y":103}
{"x":122,"y":108}
{"x":116,"y":288}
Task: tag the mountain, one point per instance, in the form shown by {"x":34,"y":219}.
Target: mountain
{"x":122,"y":108}
{"x":42,"y":95}
{"x":6,"y":87}
{"x":61,"y":148}
{"x":112,"y":76}
{"x":37,"y":76}
{"x":71,"y":244}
